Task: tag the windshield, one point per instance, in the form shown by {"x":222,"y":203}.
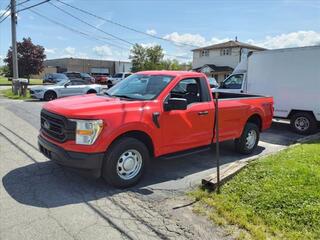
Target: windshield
{"x":59,"y":76}
{"x":118,"y":75}
{"x":140,"y":86}
{"x":61,"y":83}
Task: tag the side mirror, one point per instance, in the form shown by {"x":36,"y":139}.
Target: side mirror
{"x":175,"y":104}
{"x":66,"y":85}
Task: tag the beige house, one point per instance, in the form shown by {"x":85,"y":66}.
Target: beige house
{"x":219,"y":60}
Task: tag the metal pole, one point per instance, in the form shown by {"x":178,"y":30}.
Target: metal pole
{"x":217,"y":139}
{"x":14,"y":44}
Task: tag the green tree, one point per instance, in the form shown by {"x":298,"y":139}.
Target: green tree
{"x":30,"y":58}
{"x":152,"y":58}
{"x":138,"y":56}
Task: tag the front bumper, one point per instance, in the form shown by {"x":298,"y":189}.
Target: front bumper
{"x":38,"y":95}
{"x":88,"y":163}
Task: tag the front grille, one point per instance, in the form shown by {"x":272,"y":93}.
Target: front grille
{"x":57,"y":127}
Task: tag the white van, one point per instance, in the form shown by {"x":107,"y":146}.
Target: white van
{"x":291,"y":76}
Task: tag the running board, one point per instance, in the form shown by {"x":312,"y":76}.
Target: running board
{"x":186,"y":153}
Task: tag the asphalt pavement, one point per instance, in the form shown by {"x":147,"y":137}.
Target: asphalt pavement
{"x":41,"y":200}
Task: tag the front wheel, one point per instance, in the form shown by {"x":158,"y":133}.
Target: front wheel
{"x":50,"y":95}
{"x":125,"y":162}
{"x":249,"y":139}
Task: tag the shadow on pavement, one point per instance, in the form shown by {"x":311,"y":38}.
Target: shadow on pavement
{"x":280,"y":134}
{"x":48,"y":185}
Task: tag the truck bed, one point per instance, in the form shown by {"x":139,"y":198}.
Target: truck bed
{"x":228,"y":95}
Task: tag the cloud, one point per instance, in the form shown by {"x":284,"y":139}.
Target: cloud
{"x":151,"y":31}
{"x":102,"y":51}
{"x":186,"y":38}
{"x":151,"y":44}
{"x":7,"y":13}
{"x":293,"y":39}
{"x":70,"y":50}
{"x":50,"y":50}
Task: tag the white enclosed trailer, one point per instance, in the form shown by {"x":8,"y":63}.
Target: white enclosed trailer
{"x":291,"y":76}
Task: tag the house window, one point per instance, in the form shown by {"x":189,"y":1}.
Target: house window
{"x":204,"y":53}
{"x":225,"y":51}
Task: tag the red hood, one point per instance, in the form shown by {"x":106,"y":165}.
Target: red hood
{"x":91,"y":105}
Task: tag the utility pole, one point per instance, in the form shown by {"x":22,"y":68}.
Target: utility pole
{"x":14,"y":44}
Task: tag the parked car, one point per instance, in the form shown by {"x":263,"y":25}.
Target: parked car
{"x":54,"y":77}
{"x":79,"y":75}
{"x":63,"y":89}
{"x":213,"y":82}
{"x":291,"y":76}
{"x":117,"y":78}
{"x":101,"y":79}
{"x":147,"y":115}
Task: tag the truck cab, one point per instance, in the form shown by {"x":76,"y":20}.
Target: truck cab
{"x":235,"y":83}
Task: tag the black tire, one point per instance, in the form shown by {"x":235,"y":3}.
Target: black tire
{"x":109,"y":84}
{"x":91,"y":91}
{"x":110,"y":166}
{"x":241,"y":144}
{"x":303,"y":123}
{"x":50,"y":95}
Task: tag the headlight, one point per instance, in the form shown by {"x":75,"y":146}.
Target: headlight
{"x":87,"y":131}
{"x":38,"y":90}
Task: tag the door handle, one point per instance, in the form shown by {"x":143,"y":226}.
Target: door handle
{"x":203,"y":113}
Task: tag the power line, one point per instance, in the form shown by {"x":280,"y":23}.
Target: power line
{"x":4,"y":18}
{"x":121,"y":39}
{"x":7,"y":9}
{"x":123,"y":26}
{"x":35,"y":5}
{"x":79,"y":19}
{"x":88,"y":36}
{"x":22,"y":2}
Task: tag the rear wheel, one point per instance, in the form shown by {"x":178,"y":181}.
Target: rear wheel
{"x":249,"y":139}
{"x":125,"y":162}
{"x":303,"y":123}
{"x":50,"y":95}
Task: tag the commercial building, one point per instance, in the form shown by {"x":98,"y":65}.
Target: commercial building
{"x":91,"y":66}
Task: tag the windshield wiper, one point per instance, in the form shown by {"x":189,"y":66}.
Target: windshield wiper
{"x":124,"y":96}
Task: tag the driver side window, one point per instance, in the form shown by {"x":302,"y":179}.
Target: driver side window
{"x":233,"y":82}
{"x":188,"y":89}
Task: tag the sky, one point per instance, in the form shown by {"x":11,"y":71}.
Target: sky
{"x":185,"y":23}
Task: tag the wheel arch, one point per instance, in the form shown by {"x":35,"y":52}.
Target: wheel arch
{"x":256,"y":119}
{"x":141,"y":136}
{"x":51,"y":90}
{"x":294,"y":111}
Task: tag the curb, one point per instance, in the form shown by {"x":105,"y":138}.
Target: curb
{"x":234,"y":168}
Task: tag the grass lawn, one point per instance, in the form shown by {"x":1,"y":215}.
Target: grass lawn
{"x":9,"y":94}
{"x":4,"y":80}
{"x":277,"y":197}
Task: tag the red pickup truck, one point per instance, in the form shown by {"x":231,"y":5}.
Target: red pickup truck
{"x":147,"y":115}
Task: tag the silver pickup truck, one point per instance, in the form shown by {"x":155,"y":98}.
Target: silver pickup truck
{"x":63,"y":89}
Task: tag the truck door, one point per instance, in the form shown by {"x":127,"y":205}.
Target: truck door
{"x":234,"y":83}
{"x":74,"y":88}
{"x":185,"y":129}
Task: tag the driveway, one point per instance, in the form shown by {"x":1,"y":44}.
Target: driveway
{"x":41,"y":200}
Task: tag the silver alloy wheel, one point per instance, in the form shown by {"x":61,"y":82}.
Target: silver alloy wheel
{"x":302,"y":123}
{"x":251,"y":139}
{"x":129,"y":164}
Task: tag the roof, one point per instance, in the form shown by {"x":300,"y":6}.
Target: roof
{"x":230,"y":44}
{"x":170,"y":73}
{"x":215,"y":68}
